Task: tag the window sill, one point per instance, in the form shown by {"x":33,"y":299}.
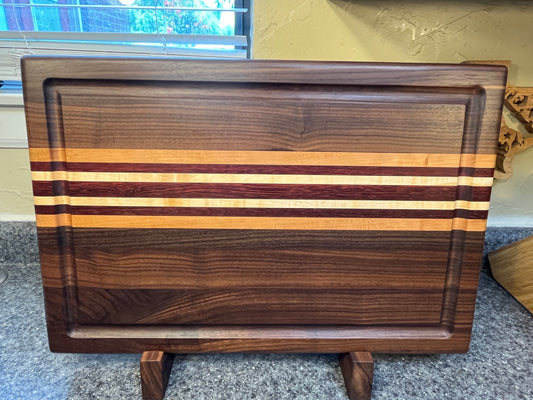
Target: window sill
{"x":12,"y":121}
{"x":11,"y":98}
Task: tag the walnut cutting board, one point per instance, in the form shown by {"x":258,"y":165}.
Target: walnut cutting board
{"x":194,"y":206}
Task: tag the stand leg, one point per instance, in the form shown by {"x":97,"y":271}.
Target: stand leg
{"x":358,"y":372}
{"x":155,"y":371}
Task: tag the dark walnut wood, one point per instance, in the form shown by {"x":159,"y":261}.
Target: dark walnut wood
{"x":224,"y":206}
{"x":358,"y":373}
{"x":155,"y":371}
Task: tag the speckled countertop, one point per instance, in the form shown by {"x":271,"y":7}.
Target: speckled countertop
{"x":499,"y":364}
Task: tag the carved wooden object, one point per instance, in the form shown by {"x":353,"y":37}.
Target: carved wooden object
{"x":519,"y":101}
{"x":222,"y":206}
{"x":510,"y":142}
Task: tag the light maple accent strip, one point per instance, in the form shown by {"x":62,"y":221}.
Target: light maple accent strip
{"x":274,"y":223}
{"x":53,"y":220}
{"x":472,"y":205}
{"x":145,"y":177}
{"x":474,"y":181}
{"x":261,"y":157}
{"x":463,"y":224}
{"x":259,"y":203}
{"x":54,"y":200}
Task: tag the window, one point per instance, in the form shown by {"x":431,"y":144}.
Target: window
{"x":189,"y":28}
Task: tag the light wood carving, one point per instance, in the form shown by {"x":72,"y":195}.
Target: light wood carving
{"x":510,"y":142}
{"x":519,"y":101}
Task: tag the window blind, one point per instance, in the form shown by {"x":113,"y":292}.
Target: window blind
{"x":186,"y":28}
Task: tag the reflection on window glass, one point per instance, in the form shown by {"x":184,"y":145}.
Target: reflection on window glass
{"x":3,"y":22}
{"x":46,"y":18}
{"x":135,"y":16}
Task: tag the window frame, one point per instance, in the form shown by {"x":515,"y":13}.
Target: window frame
{"x":15,"y":44}
{"x":11,"y":101}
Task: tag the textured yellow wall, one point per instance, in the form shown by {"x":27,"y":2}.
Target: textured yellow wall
{"x":16,"y":200}
{"x":405,"y":31}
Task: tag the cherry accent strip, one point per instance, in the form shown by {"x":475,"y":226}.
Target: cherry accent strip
{"x":255,"y":191}
{"x":259,"y":169}
{"x":261,"y":212}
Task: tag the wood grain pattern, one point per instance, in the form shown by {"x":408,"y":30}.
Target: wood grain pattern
{"x":418,"y":78}
{"x":351,"y":197}
{"x":260,"y":206}
{"x":280,"y":179}
{"x":208,"y":203}
{"x":512,"y":267}
{"x":260,"y":169}
{"x":259,"y":306}
{"x":155,"y":370}
{"x":358,"y":373}
{"x":219,"y":258}
{"x":318,"y":158}
{"x":274,"y":223}
{"x":254,"y":191}
{"x":459,"y":213}
{"x":281,"y":117}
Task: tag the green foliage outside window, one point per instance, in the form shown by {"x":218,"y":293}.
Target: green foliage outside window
{"x":182,"y":21}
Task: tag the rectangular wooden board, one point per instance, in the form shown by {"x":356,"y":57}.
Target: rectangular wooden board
{"x":512,"y":267}
{"x":194,"y":206}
